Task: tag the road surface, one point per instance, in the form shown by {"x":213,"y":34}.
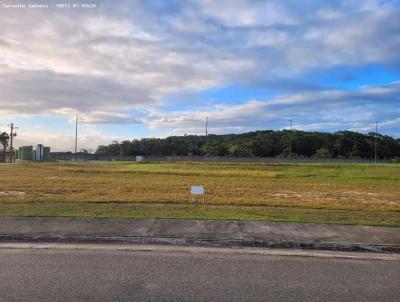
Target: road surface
{"x":111,"y":274}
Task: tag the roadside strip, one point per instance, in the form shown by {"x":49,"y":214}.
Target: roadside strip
{"x":233,"y":243}
{"x":203,"y":233}
{"x":192,"y":249}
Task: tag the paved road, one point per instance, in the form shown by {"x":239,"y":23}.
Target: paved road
{"x":57,"y":274}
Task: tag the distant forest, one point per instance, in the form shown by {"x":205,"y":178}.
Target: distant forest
{"x":342,"y":144}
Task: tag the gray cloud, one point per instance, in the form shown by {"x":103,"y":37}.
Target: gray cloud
{"x":105,"y":63}
{"x":45,"y":92}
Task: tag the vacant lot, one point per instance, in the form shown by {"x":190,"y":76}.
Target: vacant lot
{"x":332,"y":193}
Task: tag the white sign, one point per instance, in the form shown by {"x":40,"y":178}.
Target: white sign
{"x":197,"y":190}
{"x":139,"y":158}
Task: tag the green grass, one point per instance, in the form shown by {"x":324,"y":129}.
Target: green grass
{"x":321,"y":193}
{"x":161,"y":211}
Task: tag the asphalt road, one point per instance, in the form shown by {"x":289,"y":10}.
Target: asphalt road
{"x":31,"y":274}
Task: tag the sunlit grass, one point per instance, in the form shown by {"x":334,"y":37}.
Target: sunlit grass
{"x":355,"y":187}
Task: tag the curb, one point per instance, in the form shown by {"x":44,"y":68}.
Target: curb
{"x":344,"y":247}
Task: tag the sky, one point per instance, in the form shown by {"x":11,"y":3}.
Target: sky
{"x":133,"y":69}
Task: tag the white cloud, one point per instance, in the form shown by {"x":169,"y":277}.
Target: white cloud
{"x":329,"y":109}
{"x":127,"y":56}
{"x":247,"y":13}
{"x":88,"y":138}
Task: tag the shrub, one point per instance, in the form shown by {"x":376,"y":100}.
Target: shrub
{"x":396,"y":160}
{"x":322,"y":153}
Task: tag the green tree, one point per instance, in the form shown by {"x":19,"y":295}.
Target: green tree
{"x":4,"y":138}
{"x":240,"y":150}
{"x":323,"y":153}
{"x":263,"y":146}
{"x":344,"y":144}
{"x":268,"y":143}
{"x":215,"y":148}
{"x":285,"y":154}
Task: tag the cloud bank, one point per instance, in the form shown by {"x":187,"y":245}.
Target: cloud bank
{"x":121,"y":62}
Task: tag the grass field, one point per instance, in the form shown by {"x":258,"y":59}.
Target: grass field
{"x":330,"y":193}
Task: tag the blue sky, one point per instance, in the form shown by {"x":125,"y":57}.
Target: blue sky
{"x":134,"y":69}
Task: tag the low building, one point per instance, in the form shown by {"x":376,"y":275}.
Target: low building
{"x":40,"y":153}
{"x":25,"y":153}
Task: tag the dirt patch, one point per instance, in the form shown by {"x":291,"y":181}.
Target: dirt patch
{"x":12,"y":193}
{"x":287,"y":195}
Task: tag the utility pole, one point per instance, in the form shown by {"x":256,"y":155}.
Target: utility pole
{"x":376,"y":142}
{"x":12,"y":135}
{"x":206,"y":126}
{"x":290,"y":139}
{"x":76,"y":137}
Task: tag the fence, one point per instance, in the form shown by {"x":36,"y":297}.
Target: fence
{"x":101,"y":157}
{"x":8,"y":156}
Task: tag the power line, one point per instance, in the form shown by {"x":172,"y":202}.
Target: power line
{"x":12,"y":135}
{"x":76,"y":137}
{"x":290,"y":139}
{"x":376,"y":142}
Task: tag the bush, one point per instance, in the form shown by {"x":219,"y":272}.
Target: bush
{"x":240,"y":151}
{"x":396,"y":160}
{"x":322,"y":153}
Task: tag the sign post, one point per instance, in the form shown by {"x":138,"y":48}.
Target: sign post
{"x":197,"y":190}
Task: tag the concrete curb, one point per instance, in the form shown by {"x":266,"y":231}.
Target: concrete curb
{"x":261,"y":234}
{"x":346,"y":247}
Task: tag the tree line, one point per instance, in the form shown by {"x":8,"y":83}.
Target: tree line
{"x":268,"y":143}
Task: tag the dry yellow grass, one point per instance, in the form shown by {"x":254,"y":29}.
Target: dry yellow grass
{"x":324,"y":186}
